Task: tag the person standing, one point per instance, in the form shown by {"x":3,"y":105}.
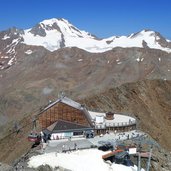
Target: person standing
{"x":75,"y":146}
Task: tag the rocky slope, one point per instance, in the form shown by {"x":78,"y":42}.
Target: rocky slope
{"x":38,"y":77}
{"x":148,"y":100}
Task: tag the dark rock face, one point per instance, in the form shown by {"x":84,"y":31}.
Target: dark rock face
{"x":144,"y":44}
{"x":162,"y":41}
{"x":62,"y":43}
{"x":44,"y":168}
{"x":56,"y":27}
{"x":38,"y":30}
{"x":14,"y":31}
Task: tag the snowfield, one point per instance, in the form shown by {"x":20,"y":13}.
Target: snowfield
{"x":81,"y":160}
{"x":60,"y":33}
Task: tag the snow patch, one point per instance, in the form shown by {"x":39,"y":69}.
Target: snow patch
{"x":157,"y":38}
{"x":80,"y":60}
{"x":51,"y":41}
{"x":88,"y":160}
{"x":138,"y":59}
{"x":119,"y":63}
{"x":4,"y":57}
{"x":11,"y":50}
{"x":11,"y":61}
{"x":159,"y":59}
{"x":15,"y":41}
{"x":28,"y":52}
{"x":5,"y":37}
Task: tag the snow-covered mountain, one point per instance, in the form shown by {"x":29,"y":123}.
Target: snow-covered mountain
{"x":57,"y":33}
{"x":54,"y":34}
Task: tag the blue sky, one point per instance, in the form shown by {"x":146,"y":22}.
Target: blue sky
{"x":103,"y":18}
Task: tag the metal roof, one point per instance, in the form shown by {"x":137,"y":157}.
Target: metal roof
{"x":66,"y":126}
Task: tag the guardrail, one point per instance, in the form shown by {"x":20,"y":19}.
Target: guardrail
{"x":119,"y":124}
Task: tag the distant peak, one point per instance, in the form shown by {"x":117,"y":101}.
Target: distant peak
{"x":49,"y":21}
{"x":56,"y":33}
{"x":143,"y":32}
{"x":54,"y":20}
{"x":147,"y":30}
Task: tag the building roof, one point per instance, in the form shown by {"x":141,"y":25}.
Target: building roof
{"x":66,"y":101}
{"x":66,"y":126}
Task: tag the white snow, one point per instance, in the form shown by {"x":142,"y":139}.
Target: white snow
{"x":28,"y":52}
{"x":11,"y":61}
{"x":119,"y":63}
{"x":51,"y":41}
{"x":73,"y":37}
{"x":82,"y":160}
{"x":80,"y":60}
{"x":5,"y":37}
{"x":16,"y":41}
{"x":159,"y":59}
{"x":4,"y":57}
{"x":138,"y":59}
{"x":11,"y":50}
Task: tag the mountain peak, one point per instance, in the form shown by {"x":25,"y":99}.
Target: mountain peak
{"x":54,"y":20}
{"x":57,"y":33}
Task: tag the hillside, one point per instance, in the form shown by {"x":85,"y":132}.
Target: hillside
{"x":148,"y":100}
{"x":39,"y":77}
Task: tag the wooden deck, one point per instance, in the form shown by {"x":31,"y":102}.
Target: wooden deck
{"x":110,"y":154}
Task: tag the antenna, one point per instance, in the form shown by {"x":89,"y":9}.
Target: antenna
{"x":149,"y":159}
{"x":34,"y":123}
{"x":139,"y":157}
{"x":16,"y":127}
{"x":61,"y":94}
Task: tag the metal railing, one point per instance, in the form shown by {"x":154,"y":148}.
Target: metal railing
{"x":119,"y":124}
